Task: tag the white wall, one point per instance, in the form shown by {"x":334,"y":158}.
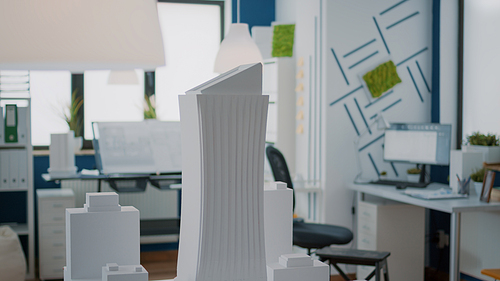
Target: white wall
{"x":325,"y":152}
{"x":448,"y":74}
{"x":285,"y":11}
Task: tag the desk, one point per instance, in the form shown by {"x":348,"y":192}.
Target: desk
{"x":452,"y":206}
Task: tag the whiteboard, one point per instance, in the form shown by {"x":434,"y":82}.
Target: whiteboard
{"x":150,"y":146}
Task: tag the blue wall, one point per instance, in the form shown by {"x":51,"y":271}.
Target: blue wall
{"x":255,"y":12}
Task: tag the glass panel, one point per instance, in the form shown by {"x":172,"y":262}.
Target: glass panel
{"x":191,"y":38}
{"x":481,"y":72}
{"x":106,"y":103}
{"x":50,"y":98}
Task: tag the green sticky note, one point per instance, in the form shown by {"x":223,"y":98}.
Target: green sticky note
{"x":381,"y":79}
{"x":283,"y":36}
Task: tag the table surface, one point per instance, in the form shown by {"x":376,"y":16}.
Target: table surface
{"x":469,"y":204}
{"x":495,"y":273}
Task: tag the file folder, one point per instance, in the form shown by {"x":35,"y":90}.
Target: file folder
{"x":2,"y":132}
{"x":10,"y":123}
{"x":4,"y":169}
{"x":22,"y":132}
{"x":13,"y":168}
{"x":22,"y":155}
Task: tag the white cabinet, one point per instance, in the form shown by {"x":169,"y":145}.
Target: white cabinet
{"x":385,"y":225}
{"x":278,"y":82}
{"x":52,"y":204}
{"x":16,"y":159}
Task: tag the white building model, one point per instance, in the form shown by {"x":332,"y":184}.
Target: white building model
{"x":223,"y":136}
{"x":102,"y":239}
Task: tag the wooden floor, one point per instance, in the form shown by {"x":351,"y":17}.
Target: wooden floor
{"x":163,"y":265}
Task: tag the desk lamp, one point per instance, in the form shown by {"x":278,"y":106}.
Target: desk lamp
{"x":382,"y":124}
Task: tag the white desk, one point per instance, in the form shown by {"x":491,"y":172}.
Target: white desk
{"x":452,"y":206}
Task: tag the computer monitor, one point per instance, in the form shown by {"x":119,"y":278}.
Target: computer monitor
{"x":422,"y":143}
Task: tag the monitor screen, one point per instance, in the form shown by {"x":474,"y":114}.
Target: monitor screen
{"x":424,"y":143}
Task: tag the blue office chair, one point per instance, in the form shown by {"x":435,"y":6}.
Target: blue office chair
{"x":306,"y":235}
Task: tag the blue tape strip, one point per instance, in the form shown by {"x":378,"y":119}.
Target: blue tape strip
{"x":340,"y":66}
{"x":360,"y":47}
{"x":362,"y":116}
{"x":402,"y":20}
{"x":394,"y":168}
{"x":423,"y":77}
{"x":381,"y":36}
{"x":352,"y":120}
{"x":369,"y":56}
{"x":391,"y":105}
{"x":392,"y":7}
{"x":346,"y":95}
{"x":381,"y":97}
{"x":415,"y":84}
{"x":412,"y":56}
{"x":373,"y":163}
{"x":370,"y":143}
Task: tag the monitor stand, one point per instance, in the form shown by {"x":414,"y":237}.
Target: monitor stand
{"x":404,"y":184}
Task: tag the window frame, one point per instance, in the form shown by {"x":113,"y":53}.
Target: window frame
{"x":77,"y":79}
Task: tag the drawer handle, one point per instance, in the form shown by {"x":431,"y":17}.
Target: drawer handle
{"x":58,"y":244}
{"x":57,"y":205}
{"x":57,"y":270}
{"x":58,"y":257}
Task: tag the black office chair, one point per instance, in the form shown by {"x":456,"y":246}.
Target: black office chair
{"x":306,"y":235}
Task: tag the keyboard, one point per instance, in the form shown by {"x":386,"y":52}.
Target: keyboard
{"x":400,"y":184}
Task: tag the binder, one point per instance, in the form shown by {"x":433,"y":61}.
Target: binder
{"x":22,"y":132}
{"x":11,"y":123}
{"x":14,"y":168}
{"x":4,"y":169}
{"x":22,"y":155}
{"x":2,"y":132}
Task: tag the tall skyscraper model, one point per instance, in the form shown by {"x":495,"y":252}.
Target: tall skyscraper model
{"x":223,"y":137}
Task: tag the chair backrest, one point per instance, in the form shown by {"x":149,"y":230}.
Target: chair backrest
{"x":279,"y":168}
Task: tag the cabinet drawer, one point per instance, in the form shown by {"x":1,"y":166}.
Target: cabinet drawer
{"x":44,"y":218}
{"x":53,"y":270}
{"x":53,"y":256}
{"x":52,"y":244}
{"x":367,"y":242}
{"x":367,"y":226}
{"x":52,"y":231}
{"x":55,"y":206}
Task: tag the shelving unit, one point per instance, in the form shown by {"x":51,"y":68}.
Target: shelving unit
{"x":14,"y":89}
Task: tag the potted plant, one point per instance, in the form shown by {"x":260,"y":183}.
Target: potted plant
{"x":477,"y":179}
{"x":413,"y":174}
{"x":75,"y":122}
{"x":487,"y":144}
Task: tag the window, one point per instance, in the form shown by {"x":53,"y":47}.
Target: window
{"x":192,"y":31}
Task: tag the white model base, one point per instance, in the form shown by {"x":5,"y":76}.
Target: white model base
{"x":298,"y":267}
{"x":115,"y":272}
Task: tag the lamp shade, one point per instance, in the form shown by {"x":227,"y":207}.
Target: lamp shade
{"x":236,"y":49}
{"x":80,"y":35}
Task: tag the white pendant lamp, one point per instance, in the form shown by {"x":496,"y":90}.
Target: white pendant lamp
{"x":237,"y":48}
{"x":80,"y":35}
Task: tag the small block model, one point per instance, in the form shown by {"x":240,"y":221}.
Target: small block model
{"x":113,"y":272}
{"x":316,"y":271}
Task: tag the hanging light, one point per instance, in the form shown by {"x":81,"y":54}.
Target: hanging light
{"x":237,"y":48}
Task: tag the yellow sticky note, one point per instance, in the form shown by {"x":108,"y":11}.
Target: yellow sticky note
{"x":300,"y":74}
{"x":299,"y":87}
{"x":300,"y":115}
{"x":300,"y":61}
{"x":300,"y":129}
{"x":300,"y":101}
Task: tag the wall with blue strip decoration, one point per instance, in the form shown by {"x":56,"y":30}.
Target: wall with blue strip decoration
{"x":363,"y":34}
{"x":340,"y":41}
